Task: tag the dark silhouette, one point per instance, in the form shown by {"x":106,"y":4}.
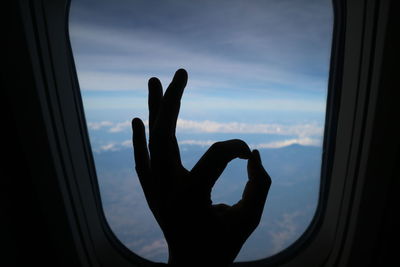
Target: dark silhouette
{"x":197,"y":232}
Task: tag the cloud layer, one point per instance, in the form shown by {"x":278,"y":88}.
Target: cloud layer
{"x":305,"y":134}
{"x":207,"y":126}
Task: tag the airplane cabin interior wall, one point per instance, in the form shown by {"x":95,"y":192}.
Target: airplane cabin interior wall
{"x":35,"y":229}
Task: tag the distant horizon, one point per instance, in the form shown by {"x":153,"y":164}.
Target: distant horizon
{"x":188,"y":133}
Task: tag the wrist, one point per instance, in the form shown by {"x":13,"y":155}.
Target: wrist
{"x":195,"y":256}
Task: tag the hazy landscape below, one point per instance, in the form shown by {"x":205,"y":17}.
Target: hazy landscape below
{"x":295,"y":173}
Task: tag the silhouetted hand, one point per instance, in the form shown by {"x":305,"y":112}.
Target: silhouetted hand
{"x":197,"y":232}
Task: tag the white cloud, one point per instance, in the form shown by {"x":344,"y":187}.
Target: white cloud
{"x":127,"y":143}
{"x":302,"y":134}
{"x":278,"y":144}
{"x":110,"y":147}
{"x":98,"y":125}
{"x":206,"y":143}
{"x":114,"y":146}
{"x":120,"y":126}
{"x":197,"y":142}
{"x":207,"y":126}
{"x":300,"y":141}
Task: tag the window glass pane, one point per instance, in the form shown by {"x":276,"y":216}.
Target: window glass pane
{"x":258,"y":71}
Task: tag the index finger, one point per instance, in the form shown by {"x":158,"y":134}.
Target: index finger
{"x":211,"y":165}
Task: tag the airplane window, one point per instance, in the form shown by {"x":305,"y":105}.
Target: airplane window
{"x":258,"y":71}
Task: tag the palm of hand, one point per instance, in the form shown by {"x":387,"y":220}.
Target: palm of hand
{"x":195,"y":229}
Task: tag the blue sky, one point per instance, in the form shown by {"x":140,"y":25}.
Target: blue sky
{"x":267,"y":56}
{"x":258,"y":70}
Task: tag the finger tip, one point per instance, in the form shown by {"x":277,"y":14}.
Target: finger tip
{"x":136,"y":122}
{"x":256,"y":154}
{"x":246,"y":151}
{"x":181,"y":74}
{"x":154,"y":82}
{"x":255,"y":159}
{"x":153,"y":79}
{"x":181,"y":71}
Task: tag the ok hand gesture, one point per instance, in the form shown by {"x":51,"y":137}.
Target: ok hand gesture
{"x":197,"y":232}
